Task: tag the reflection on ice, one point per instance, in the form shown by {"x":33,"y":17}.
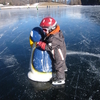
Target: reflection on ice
{"x":41,"y":85}
{"x":74,"y":13}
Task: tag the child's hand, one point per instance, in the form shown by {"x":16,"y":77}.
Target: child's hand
{"x":38,"y":43}
{"x":41,"y":44}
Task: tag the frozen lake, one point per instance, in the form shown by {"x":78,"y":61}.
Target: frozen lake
{"x":81,"y":29}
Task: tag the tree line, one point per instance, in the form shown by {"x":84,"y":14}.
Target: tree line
{"x":69,"y":2}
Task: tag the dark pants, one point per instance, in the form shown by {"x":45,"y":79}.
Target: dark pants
{"x":59,"y":63}
{"x":60,"y":67}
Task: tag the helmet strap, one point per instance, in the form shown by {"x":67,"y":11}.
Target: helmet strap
{"x":52,"y":29}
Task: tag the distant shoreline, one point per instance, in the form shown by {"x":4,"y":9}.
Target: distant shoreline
{"x":15,"y":7}
{"x":42,"y":5}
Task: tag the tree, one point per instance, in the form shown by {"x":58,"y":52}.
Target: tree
{"x":72,"y":2}
{"x":10,"y":3}
{"x":4,"y":3}
{"x":65,"y":1}
{"x":79,"y":2}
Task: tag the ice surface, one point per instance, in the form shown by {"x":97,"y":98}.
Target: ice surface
{"x":81,"y":28}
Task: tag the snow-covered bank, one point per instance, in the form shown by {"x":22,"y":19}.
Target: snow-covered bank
{"x":24,"y":6}
{"x":1,"y":5}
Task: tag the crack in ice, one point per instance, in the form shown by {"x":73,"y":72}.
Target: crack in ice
{"x":3,"y":50}
{"x":82,"y":53}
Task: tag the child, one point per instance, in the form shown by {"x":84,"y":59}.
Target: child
{"x":55,"y":44}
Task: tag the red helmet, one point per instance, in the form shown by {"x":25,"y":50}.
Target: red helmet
{"x":48,"y":23}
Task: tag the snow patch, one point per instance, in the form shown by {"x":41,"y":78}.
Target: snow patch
{"x":1,"y":35}
{"x":10,"y":60}
{"x":34,"y":5}
{"x":1,"y":5}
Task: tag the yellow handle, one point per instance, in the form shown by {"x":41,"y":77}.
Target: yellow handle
{"x":31,"y":42}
